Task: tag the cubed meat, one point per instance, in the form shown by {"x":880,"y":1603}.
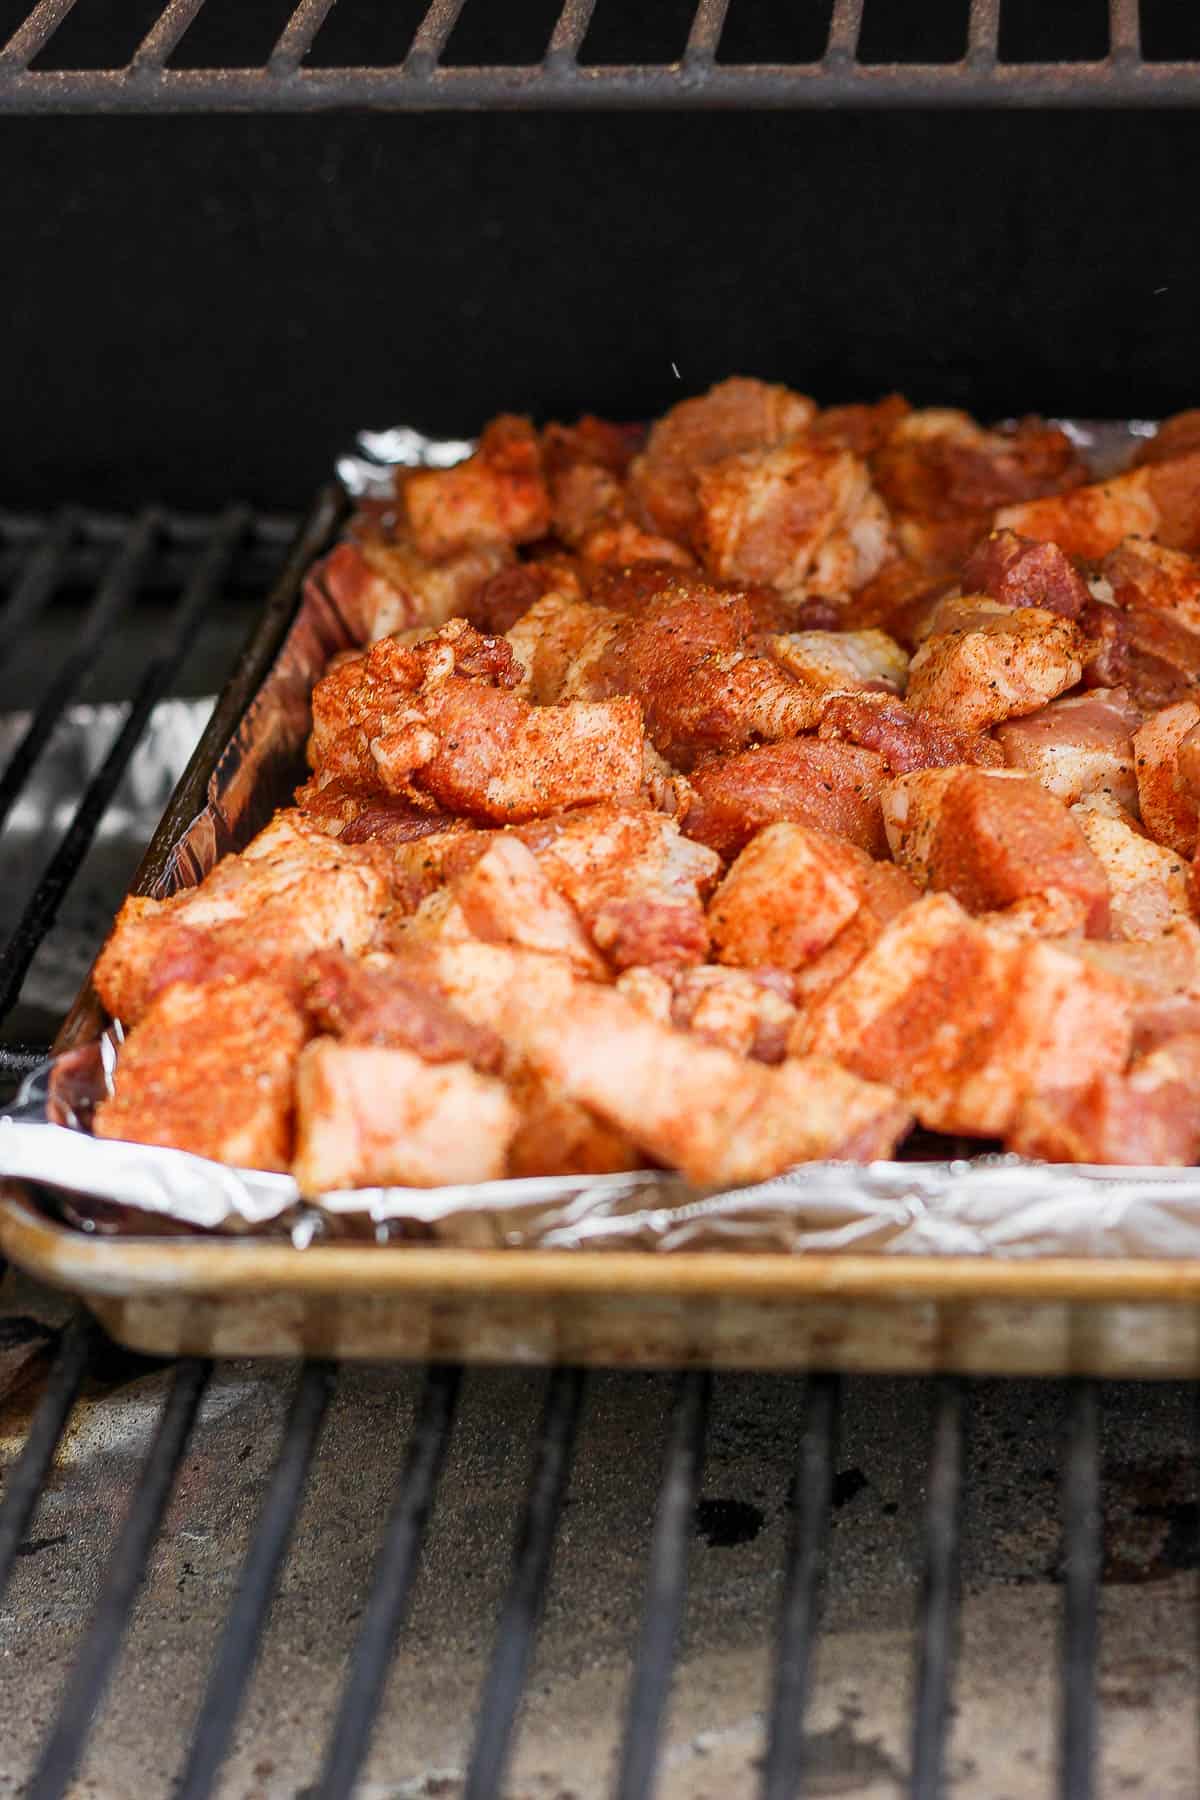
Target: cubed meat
{"x":802,"y":516}
{"x":831,"y":785}
{"x":1147,"y":1117}
{"x":1023,"y":572}
{"x":788,"y":895}
{"x":557,"y":1136}
{"x":292,"y":891}
{"x":905,"y":738}
{"x":863,"y":428}
{"x":842,"y":660}
{"x":369,"y":1117}
{"x":1166,"y":798}
{"x":1081,"y":744}
{"x":940,"y":464}
{"x":498,"y":496}
{"x":375,"y":1000}
{"x":634,"y":880}
{"x":380,"y":586}
{"x":209,"y":1068}
{"x":1143,"y":573}
{"x":736,"y":415}
{"x":1001,"y":667}
{"x":1147,"y":883}
{"x":1089,"y":521}
{"x":992,"y":837}
{"x":506,"y":897}
{"x":721,"y":1119}
{"x":966,"y":1021}
{"x":1163,"y":973}
{"x":748,"y":1011}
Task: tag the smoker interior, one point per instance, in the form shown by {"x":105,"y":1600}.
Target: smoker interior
{"x":279,"y":1580}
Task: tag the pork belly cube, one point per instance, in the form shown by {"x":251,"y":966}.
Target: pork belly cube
{"x":966,"y":1021}
{"x":1167,"y":800}
{"x":736,"y":415}
{"x":748,"y":1011}
{"x":1081,"y":744}
{"x":842,"y":661}
{"x":802,"y":517}
{"x":1143,"y":573}
{"x":1163,"y":974}
{"x":941,"y":464}
{"x":209,"y":1068}
{"x":498,"y":496}
{"x":293,"y":890}
{"x":505,"y":897}
{"x":1089,"y":521}
{"x":886,"y":890}
{"x":831,"y":785}
{"x":1022,"y":572}
{"x":634,"y":880}
{"x":720,"y":1119}
{"x":788,"y":894}
{"x":370,"y":1117}
{"x":555,"y":1135}
{"x":375,"y":1000}
{"x":904,"y":738}
{"x":991,"y":837}
{"x":380,"y":587}
{"x":1147,"y":883}
{"x":1149,"y":1117}
{"x":1004,"y":665}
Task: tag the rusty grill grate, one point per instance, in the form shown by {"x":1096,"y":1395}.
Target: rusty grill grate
{"x":195,"y":557}
{"x":858,"y":53}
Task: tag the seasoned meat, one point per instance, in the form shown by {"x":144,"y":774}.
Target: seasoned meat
{"x":498,"y":496}
{"x":293,"y":890}
{"x":833,"y":786}
{"x":1082,"y":744}
{"x":369,"y":1117}
{"x":749,"y":1011}
{"x":1023,"y":572}
{"x":997,"y":667}
{"x":802,"y":516}
{"x":1147,"y":883}
{"x":375,"y":1000}
{"x":208,"y":1068}
{"x":1092,"y":520}
{"x":734,"y":416}
{"x":1165,"y":751}
{"x":787,"y":896}
{"x":992,"y":837}
{"x":1151,"y":1115}
{"x":385,"y":585}
{"x":842,"y":661}
{"x":904,"y":737}
{"x":967,"y":1021}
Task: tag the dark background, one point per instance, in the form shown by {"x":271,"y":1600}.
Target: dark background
{"x":202,"y":307}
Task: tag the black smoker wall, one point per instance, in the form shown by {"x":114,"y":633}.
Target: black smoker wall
{"x":205,"y":307}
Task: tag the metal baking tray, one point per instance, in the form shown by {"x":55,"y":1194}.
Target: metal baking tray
{"x":1105,"y":1314}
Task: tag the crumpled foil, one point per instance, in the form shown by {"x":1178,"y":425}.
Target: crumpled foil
{"x":993,"y":1205}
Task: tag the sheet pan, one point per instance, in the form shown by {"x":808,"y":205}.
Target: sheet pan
{"x":982,"y":1263}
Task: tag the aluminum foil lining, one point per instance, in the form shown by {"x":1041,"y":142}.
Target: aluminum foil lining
{"x":982,"y":1206}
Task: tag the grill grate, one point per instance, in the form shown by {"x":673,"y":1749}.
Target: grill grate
{"x":196,"y":556}
{"x":987,"y":72}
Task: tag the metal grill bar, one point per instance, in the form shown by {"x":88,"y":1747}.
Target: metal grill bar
{"x":939,"y":1595}
{"x":523,"y":1605}
{"x":47,"y":897}
{"x":33,"y":36}
{"x":289,"y":83}
{"x":391,"y":1589}
{"x":24,"y":1484}
{"x":1081,"y":1572}
{"x":666,"y":1590}
{"x":94,"y":1665}
{"x":569,"y":33}
{"x":114,"y":592}
{"x":298,"y":35}
{"x":238,"y":1648}
{"x":166,"y":34}
{"x":38,"y":580}
{"x":783,"y":1775}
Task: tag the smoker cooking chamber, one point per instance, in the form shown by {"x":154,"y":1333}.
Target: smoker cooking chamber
{"x":105,"y":561}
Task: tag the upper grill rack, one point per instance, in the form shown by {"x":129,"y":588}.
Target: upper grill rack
{"x":985,"y":69}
